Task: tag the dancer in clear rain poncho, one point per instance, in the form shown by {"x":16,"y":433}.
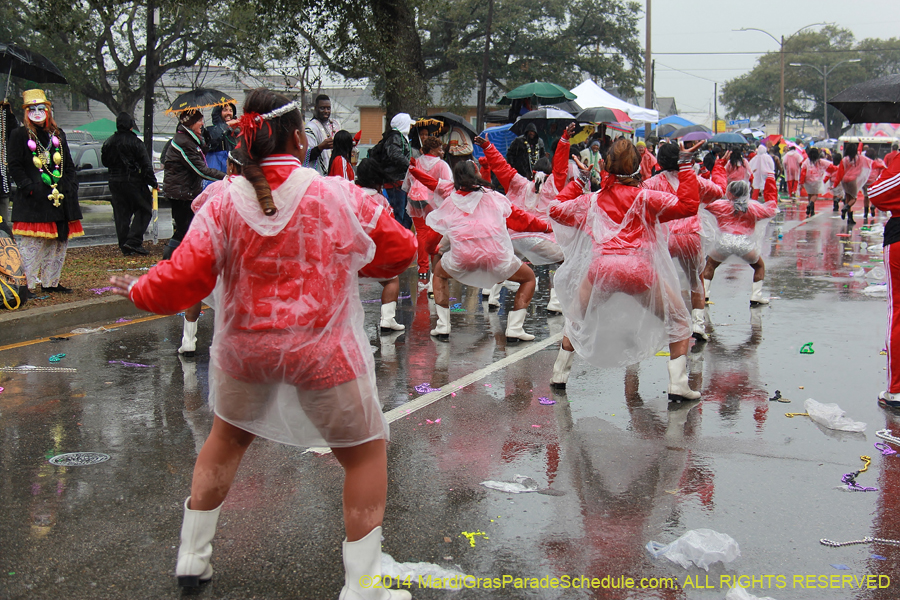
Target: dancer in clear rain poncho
{"x":852,"y":173}
{"x":370,"y":177}
{"x":737,"y":168}
{"x":832,"y":183}
{"x":792,"y":160}
{"x":618,"y":286}
{"x":290,"y":359}
{"x":419,"y":200}
{"x":761,"y":166}
{"x":737,"y":231}
{"x":476,"y":220}
{"x":684,"y":234}
{"x":812,"y":177}
{"x":531,"y":196}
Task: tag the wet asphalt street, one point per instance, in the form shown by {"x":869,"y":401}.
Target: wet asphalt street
{"x":616,"y":466}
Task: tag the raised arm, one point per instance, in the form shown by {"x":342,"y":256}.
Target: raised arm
{"x":688,"y":194}
{"x":519,"y":220}
{"x":498,"y":165}
{"x":424,"y":178}
{"x":561,"y":158}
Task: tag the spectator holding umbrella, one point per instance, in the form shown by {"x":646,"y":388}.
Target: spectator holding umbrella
{"x":185,"y":170}
{"x":130,"y":179}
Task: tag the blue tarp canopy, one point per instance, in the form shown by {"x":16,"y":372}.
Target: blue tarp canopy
{"x":501,"y":137}
{"x":676,"y":120}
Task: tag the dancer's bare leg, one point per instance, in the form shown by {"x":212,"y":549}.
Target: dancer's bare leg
{"x":365,"y":487}
{"x":441,"y":285}
{"x":525,"y":278}
{"x":217,"y":464}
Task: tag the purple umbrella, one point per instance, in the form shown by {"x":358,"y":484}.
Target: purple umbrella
{"x":696,"y":136}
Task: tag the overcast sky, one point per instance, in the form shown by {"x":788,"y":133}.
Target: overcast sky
{"x":704,"y":26}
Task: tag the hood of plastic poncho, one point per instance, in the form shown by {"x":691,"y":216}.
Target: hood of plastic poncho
{"x":468,"y":202}
{"x":217,"y":114}
{"x":287,"y":197}
{"x":762,"y":149}
{"x":402,"y":122}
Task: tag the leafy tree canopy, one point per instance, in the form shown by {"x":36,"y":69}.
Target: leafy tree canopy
{"x":757,"y":94}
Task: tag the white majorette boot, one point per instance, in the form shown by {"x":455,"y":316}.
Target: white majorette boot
{"x":388,"y":322}
{"x":197,"y":532}
{"x":698,"y":324}
{"x":756,"y":297}
{"x":494,"y":296}
{"x":442,"y":329}
{"x":553,"y":305}
{"x":706,"y":284}
{"x":362,"y":565}
{"x":679,"y":390}
{"x":514,"y":330}
{"x":188,"y":338}
{"x":561,"y":368}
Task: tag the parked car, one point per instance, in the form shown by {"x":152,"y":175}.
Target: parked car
{"x":77,"y":136}
{"x":91,"y":174}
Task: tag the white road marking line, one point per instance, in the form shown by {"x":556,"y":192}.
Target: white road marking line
{"x":454,"y":386}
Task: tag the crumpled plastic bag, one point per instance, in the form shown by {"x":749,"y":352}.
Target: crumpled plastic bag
{"x":520,"y":485}
{"x":450,"y":579}
{"x":831,"y":416}
{"x":879,"y":289}
{"x":701,"y":547}
{"x":739,"y":593}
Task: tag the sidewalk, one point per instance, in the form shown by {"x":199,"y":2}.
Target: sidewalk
{"x":60,"y":319}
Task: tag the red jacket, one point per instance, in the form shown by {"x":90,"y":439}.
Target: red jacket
{"x":616,"y":199}
{"x":519,"y":220}
{"x":884,"y":194}
{"x":711,"y":189}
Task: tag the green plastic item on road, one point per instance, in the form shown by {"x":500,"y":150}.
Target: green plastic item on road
{"x":56,"y":357}
{"x":807,"y":348}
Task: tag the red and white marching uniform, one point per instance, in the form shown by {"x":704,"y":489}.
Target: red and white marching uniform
{"x":537,"y":247}
{"x":738,"y":234}
{"x":418,"y":204}
{"x":884,"y":194}
{"x":615,"y":245}
{"x":792,"y":160}
{"x":684,"y":234}
{"x":740,"y":172}
{"x":813,"y":175}
{"x":290,"y":360}
{"x":477,"y":225}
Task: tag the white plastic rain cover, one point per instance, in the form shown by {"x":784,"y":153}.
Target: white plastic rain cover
{"x":618,"y":286}
{"x":290,"y":360}
{"x":536,"y":248}
{"x":420,"y":200}
{"x":732,"y":236}
{"x":481,"y":252}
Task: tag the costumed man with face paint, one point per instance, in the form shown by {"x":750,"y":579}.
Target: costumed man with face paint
{"x":45,"y":210}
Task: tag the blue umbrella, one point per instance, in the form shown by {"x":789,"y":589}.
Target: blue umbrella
{"x":728,"y":138}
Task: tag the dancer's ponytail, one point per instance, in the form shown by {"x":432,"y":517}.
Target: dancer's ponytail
{"x":267,"y":127}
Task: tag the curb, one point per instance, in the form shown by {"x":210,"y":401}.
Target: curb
{"x":61,"y":319}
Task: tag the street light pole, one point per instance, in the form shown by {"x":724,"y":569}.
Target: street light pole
{"x":824,"y":73}
{"x":781,"y":51}
{"x":648,"y":65}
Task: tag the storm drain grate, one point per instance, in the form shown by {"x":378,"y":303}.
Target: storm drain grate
{"x":79,"y":459}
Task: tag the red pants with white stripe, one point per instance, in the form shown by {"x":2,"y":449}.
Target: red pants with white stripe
{"x":892,"y":262}
{"x":792,"y":186}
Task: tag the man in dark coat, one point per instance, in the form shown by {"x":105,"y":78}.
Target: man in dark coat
{"x":130,"y":179}
{"x":525,"y":151}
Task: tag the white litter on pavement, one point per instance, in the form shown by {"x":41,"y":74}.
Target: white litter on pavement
{"x":832,"y":416}
{"x":427,"y":575}
{"x":520,"y":485}
{"x":739,"y":593}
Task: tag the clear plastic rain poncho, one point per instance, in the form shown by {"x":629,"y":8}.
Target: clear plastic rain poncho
{"x":536,"y":248}
{"x":292,"y":365}
{"x":420,"y":199}
{"x":618,"y":286}
{"x":733,"y":230}
{"x":481,"y":253}
{"x":814,"y":182}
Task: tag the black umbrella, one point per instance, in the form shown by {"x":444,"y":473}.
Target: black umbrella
{"x":689,"y":129}
{"x":873,"y":101}
{"x":455,"y":120}
{"x":16,"y":61}
{"x":199,"y":99}
{"x":542,"y":118}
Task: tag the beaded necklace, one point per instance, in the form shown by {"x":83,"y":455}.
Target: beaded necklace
{"x":3,"y":164}
{"x":43,"y":162}
{"x":533,"y":153}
